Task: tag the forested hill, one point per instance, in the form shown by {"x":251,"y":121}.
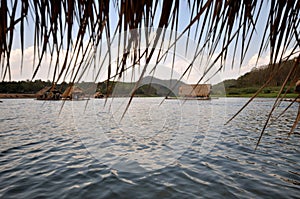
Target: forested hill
{"x":158,"y":87}
{"x":258,"y":76}
{"x":251,"y":81}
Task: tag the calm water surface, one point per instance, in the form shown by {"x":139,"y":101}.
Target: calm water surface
{"x":175,"y":150}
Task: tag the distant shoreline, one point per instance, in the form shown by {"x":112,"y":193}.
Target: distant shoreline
{"x":24,"y":96}
{"x":16,"y":95}
{"x":260,"y":95}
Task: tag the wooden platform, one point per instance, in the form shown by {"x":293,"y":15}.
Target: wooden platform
{"x":290,"y":100}
{"x":190,"y":98}
{"x":16,"y":95}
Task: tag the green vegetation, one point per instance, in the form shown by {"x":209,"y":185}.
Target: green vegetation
{"x":116,"y":88}
{"x":146,"y":90}
{"x":123,"y":89}
{"x":28,"y":87}
{"x":248,"y":84}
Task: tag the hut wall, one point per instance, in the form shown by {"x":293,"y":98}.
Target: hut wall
{"x":200,"y":90}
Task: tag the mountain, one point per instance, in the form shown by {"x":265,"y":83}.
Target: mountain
{"x":149,"y":86}
{"x":163,"y":87}
{"x":253,"y":80}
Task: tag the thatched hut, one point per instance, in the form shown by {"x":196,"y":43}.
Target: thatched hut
{"x":48,"y":93}
{"x":98,"y":95}
{"x":73,"y":92}
{"x":195,"y":90}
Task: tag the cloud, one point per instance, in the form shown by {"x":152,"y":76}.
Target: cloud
{"x":253,"y":61}
{"x":26,"y":72}
{"x":18,"y":73}
{"x":163,"y":70}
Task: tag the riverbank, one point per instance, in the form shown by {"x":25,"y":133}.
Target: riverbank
{"x":16,"y":95}
{"x":261,"y":95}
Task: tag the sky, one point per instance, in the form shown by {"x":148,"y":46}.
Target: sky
{"x":164,"y":69}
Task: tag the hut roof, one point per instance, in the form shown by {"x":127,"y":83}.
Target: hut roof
{"x":48,"y":93}
{"x":76,"y":89}
{"x":71,"y":90}
{"x":98,"y":95}
{"x":195,"y":90}
{"x":44,"y":90}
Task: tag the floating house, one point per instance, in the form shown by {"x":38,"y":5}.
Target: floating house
{"x":48,"y":93}
{"x":195,"y":90}
{"x":98,"y":95}
{"x":73,"y":93}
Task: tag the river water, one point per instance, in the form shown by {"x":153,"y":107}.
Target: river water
{"x":176,"y":149}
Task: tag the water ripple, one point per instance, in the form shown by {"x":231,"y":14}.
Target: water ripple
{"x":47,"y":157}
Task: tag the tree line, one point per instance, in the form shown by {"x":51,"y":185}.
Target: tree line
{"x":32,"y":87}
